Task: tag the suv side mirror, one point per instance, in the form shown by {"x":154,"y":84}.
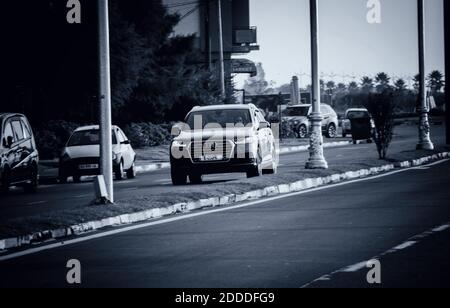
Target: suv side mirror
{"x":126,"y":142}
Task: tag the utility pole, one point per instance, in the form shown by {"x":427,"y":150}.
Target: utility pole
{"x":447,"y":68}
{"x":105,"y":100}
{"x":221,"y":57}
{"x":317,"y":159}
{"x":424,"y":124}
{"x":207,"y":33}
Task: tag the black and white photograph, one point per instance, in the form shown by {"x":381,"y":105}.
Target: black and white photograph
{"x":224,"y":150}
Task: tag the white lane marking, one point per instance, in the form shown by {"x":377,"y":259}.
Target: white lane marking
{"x":82,"y":196}
{"x":37,"y":202}
{"x":359,"y":266}
{"x":194,"y":215}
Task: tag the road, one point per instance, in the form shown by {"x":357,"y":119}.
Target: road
{"x":287,"y":241}
{"x":55,"y":197}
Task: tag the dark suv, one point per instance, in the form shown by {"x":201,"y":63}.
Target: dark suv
{"x":18,"y":154}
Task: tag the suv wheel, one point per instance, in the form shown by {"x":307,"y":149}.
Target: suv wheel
{"x":332,"y":131}
{"x":178,"y":178}
{"x":257,"y":170}
{"x":302,"y":132}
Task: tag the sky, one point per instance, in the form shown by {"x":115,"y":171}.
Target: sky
{"x":349,"y":45}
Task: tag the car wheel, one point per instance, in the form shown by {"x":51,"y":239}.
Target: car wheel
{"x":131,"y":173}
{"x":302,"y":132}
{"x":344,"y":134}
{"x":5,"y":182}
{"x":77,"y":179}
{"x":178,"y":178}
{"x":34,"y":181}
{"x":119,"y":172}
{"x":62,"y":179}
{"x":196,"y":179}
{"x":332,"y":131}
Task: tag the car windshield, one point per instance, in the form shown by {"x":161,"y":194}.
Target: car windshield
{"x":222,"y":118}
{"x":87,"y":137}
{"x":358,"y":115}
{"x":296,"y":112}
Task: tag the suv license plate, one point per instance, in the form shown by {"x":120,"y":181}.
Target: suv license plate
{"x":212,"y":158}
{"x":88,"y":167}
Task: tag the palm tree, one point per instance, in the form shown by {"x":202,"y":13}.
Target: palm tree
{"x":383,"y":80}
{"x":331,"y":86}
{"x":416,"y":80}
{"x":367,"y":84}
{"x":341,"y":87}
{"x":353,"y":87}
{"x":436,"y":81}
{"x":400,"y":85}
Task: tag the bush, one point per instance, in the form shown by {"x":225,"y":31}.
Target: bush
{"x":147,"y":134}
{"x":52,"y":137}
{"x":381,"y":107}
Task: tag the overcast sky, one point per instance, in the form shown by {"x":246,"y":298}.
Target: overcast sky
{"x":349,"y":44}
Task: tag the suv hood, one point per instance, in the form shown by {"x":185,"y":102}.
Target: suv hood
{"x":205,"y":134}
{"x":300,"y":119}
{"x":86,"y":151}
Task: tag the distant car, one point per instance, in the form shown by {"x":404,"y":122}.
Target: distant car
{"x":298,"y":119}
{"x":81,"y":156}
{"x":19,"y":158}
{"x":200,"y":149}
{"x":351,"y":114}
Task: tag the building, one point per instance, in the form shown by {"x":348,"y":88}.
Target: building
{"x":201,"y":18}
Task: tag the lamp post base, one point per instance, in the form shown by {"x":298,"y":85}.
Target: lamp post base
{"x":317,"y":159}
{"x":424,"y":132}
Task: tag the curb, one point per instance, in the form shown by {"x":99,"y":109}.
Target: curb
{"x":179,"y":208}
{"x":158,"y":166}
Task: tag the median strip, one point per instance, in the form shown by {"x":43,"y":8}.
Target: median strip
{"x":226,"y":200}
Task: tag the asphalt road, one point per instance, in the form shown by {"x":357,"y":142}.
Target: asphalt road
{"x":55,"y":197}
{"x":281,"y":242}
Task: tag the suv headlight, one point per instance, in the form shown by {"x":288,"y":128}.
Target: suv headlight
{"x":179,"y":144}
{"x":247,"y":140}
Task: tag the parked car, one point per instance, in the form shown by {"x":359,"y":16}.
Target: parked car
{"x":297,"y":117}
{"x":351,"y":114}
{"x":19,"y":158}
{"x":248,"y":147}
{"x":81,"y":155}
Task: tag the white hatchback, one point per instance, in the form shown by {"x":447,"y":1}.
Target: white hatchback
{"x":81,"y":156}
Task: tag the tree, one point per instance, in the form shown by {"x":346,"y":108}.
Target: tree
{"x":383,"y":82}
{"x":341,"y":87}
{"x":416,"y":81}
{"x":367,"y":84}
{"x":331,"y":87}
{"x":400,"y":85}
{"x":353,"y":87}
{"x":258,"y":85}
{"x":381,"y":106}
{"x":436,"y":81}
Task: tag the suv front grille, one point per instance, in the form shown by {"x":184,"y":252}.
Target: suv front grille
{"x":221,"y":148}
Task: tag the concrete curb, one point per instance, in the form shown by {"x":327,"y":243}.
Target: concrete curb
{"x":127,"y":219}
{"x":158,"y":166}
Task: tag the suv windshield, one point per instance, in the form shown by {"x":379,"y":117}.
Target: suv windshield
{"x":296,"y":112}
{"x":358,"y":115}
{"x":87,"y":137}
{"x":222,"y":118}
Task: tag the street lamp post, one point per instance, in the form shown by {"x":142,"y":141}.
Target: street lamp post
{"x":105,"y":100}
{"x":424,"y":125}
{"x":221,"y":57}
{"x":317,"y":159}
